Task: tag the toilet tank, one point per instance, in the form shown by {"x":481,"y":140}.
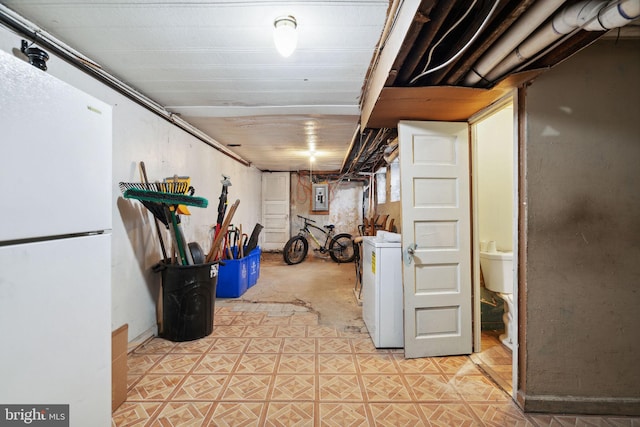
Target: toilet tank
{"x":497,"y":270}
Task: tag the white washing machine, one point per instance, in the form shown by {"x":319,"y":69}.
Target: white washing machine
{"x":382,"y":297}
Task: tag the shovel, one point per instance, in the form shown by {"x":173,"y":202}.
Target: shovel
{"x":253,"y":240}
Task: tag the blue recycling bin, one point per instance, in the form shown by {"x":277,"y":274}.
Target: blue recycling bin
{"x":233,"y":277}
{"x":254,"y":265}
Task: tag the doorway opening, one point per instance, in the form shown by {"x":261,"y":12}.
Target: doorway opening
{"x":494,"y":180}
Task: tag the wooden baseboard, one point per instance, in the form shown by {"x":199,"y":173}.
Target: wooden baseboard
{"x":579,"y":405}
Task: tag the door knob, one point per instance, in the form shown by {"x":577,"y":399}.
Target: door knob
{"x":409,"y":252}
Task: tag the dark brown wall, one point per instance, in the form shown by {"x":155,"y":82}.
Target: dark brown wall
{"x":582,"y":141}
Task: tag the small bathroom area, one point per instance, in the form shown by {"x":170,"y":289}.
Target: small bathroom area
{"x":494,"y":210}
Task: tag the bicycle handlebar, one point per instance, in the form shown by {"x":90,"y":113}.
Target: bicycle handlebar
{"x":306,"y":219}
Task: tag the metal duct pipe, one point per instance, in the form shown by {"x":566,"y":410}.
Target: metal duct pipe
{"x":592,"y":15}
{"x":522,"y":29}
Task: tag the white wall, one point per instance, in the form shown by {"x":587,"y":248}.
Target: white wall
{"x":139,"y":135}
{"x":495,"y":178}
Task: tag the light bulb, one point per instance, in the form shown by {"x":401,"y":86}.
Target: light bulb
{"x":285,"y":35}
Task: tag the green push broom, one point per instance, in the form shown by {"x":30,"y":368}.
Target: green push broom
{"x":170,"y":200}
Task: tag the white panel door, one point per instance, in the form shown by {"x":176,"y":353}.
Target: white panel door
{"x":275,"y":210}
{"x":436,"y":236}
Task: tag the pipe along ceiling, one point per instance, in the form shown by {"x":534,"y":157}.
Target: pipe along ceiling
{"x":476,"y":43}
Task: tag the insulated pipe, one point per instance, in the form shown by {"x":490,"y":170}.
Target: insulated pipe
{"x":563,"y":23}
{"x":522,"y":29}
{"x":615,"y":15}
{"x":592,"y":15}
{"x":574,"y":16}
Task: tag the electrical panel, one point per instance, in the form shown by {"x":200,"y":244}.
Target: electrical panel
{"x":320,"y":200}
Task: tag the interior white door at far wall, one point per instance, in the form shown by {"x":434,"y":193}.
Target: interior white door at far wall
{"x":275,"y":210}
{"x":436,"y":238}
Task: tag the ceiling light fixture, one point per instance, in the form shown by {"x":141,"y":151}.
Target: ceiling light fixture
{"x":284,"y":35}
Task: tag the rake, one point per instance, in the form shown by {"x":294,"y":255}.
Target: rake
{"x":165,"y":187}
{"x":168,"y":203}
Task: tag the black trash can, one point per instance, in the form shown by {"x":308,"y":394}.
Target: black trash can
{"x":188,"y":300}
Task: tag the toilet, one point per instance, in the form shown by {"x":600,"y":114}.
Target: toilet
{"x":497,"y":270}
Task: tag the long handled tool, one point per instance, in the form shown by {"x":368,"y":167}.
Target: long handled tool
{"x":227,"y":250}
{"x":179,"y":232}
{"x":160,"y":302}
{"x":253,"y":240}
{"x":222,"y":204}
{"x":171,"y":202}
{"x":155,"y":219}
{"x":229,"y":242}
{"x":245,"y":241}
{"x":215,"y":246}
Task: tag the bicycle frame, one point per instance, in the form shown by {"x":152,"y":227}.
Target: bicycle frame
{"x":338,"y":246}
{"x":307,"y":232}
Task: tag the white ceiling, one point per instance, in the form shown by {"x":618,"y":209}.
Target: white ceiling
{"x":214,"y":63}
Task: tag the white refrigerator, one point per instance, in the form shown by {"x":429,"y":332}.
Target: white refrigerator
{"x":55,"y":245}
{"x":382,"y":294}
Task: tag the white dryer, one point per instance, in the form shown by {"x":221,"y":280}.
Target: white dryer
{"x":382,"y":301}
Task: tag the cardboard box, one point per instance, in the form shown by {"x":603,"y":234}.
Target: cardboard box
{"x":119,"y":341}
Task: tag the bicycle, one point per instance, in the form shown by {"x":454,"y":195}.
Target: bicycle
{"x":339,"y":247}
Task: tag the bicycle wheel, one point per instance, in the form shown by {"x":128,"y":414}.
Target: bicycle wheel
{"x":295,"y":250}
{"x":341,"y":248}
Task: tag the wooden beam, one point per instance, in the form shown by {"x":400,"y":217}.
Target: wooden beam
{"x":387,"y":57}
{"x":424,"y":41}
{"x":440,"y":103}
{"x":420,"y":20}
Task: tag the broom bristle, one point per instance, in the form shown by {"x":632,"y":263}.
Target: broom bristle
{"x":164,"y":187}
